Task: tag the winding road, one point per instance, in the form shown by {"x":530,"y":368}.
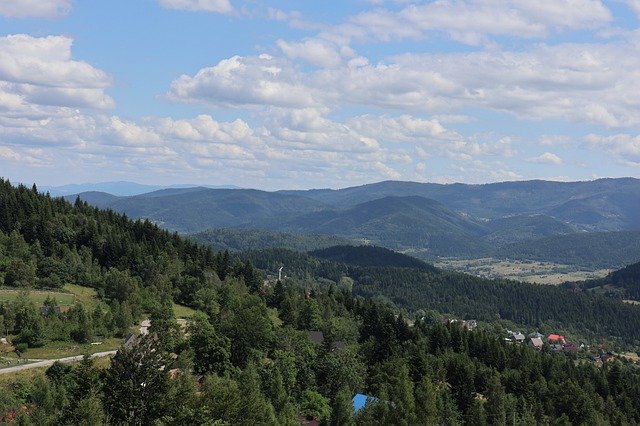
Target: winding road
{"x":49,"y":362}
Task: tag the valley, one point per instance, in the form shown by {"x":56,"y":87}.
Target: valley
{"x":525,"y":271}
{"x":212,"y":322}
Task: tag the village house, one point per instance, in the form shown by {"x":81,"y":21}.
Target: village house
{"x":556,"y":338}
{"x":536,"y":343}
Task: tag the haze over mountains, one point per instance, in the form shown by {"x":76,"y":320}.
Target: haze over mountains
{"x":433,"y":219}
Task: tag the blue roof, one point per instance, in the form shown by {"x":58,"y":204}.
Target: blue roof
{"x":360,"y":400}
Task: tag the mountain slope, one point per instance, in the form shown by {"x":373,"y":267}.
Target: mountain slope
{"x":593,"y":250}
{"x":370,"y":256}
{"x":497,"y":200}
{"x":256,"y":239}
{"x":195,"y":209}
{"x":396,"y":222}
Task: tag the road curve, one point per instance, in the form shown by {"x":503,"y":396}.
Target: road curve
{"x":49,"y":362}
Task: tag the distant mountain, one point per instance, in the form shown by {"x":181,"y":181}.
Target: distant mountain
{"x":589,"y":249}
{"x":122,"y":188}
{"x":576,"y":202}
{"x":396,"y":222}
{"x":95,"y":198}
{"x":194,"y":209}
{"x":513,"y":229}
{"x":257,"y":239}
{"x":430,"y":219}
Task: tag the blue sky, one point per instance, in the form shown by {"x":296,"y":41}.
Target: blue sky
{"x":290,"y":94}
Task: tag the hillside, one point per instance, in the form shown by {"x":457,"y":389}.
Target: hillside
{"x":592,"y":250}
{"x":370,"y":256}
{"x":497,"y":200}
{"x":520,"y":228}
{"x":464,"y":296}
{"x":434,"y":220}
{"x":256,"y":239}
{"x":252,"y":343}
{"x":195,"y":209}
{"x":396,"y":222}
{"x":623,"y":283}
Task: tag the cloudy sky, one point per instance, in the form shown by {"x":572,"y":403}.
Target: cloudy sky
{"x":303,"y":94}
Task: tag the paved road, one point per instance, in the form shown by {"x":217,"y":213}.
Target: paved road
{"x":49,"y":362}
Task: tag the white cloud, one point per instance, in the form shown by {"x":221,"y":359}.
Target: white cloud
{"x":35,"y":8}
{"x":589,"y":82}
{"x":40,"y":71}
{"x":624,"y":147}
{"x":472,"y":21}
{"x":547,"y":158}
{"x":634,"y":5}
{"x":242,"y":81}
{"x":216,"y":6}
{"x":314,"y":51}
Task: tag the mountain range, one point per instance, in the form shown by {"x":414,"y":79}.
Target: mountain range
{"x":438,"y":220}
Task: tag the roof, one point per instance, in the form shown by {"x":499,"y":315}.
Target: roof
{"x":555,"y":337}
{"x":536,"y":342}
{"x":359,"y":400}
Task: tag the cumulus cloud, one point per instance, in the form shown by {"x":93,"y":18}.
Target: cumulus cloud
{"x":35,"y":8}
{"x":546,"y":158}
{"x":587,"y":82}
{"x":40,"y":71}
{"x":215,"y":6}
{"x":243,"y":81}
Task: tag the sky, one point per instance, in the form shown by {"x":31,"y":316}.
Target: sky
{"x":316,"y":94}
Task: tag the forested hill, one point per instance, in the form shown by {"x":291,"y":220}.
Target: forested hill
{"x":624,"y":283}
{"x":247,"y":356}
{"x":593,"y":250}
{"x":466,"y":296}
{"x":49,"y":242}
{"x":234,"y":239}
{"x":370,"y":256}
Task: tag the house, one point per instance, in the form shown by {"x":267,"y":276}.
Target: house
{"x":130,"y":340}
{"x":536,"y":334}
{"x":556,"y":338}
{"x":556,"y":347}
{"x":516,"y":336}
{"x":536,"y":342}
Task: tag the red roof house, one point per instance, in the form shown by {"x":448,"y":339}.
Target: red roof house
{"x":556,"y":338}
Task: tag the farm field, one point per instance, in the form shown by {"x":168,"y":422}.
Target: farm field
{"x":527,"y":271}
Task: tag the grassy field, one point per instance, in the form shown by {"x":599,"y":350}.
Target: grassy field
{"x":38,"y":297}
{"x":181,"y":311}
{"x":527,"y":271}
{"x":85,"y":295}
{"x":27,"y":375}
{"x":63,"y":349}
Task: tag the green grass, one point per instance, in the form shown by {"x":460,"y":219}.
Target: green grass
{"x":85,"y":295}
{"x":181,"y":311}
{"x":38,"y":296}
{"x":63,"y":349}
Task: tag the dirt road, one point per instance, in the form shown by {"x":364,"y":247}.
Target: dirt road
{"x":49,"y":362}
